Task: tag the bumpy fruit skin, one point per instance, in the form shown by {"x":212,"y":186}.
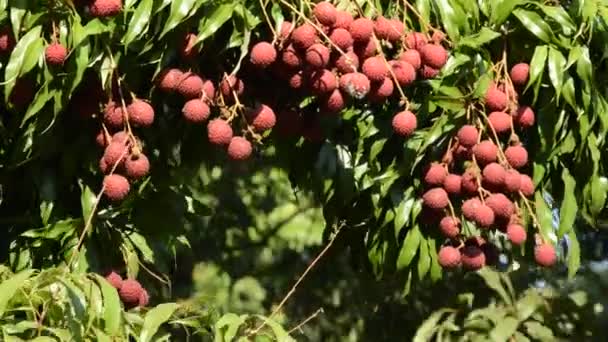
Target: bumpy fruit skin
{"x":239,"y":148}
{"x":375,"y":69}
{"x":114,"y":279}
{"x":55,"y":54}
{"x":190,"y":86}
{"x":388,"y":29}
{"x":437,"y":37}
{"x":296,"y":80}
{"x":395,"y":34}
{"x":105,"y":8}
{"x":512,"y":181}
{"x":495,"y":99}
{"x":196,"y":111}
{"x":516,"y":234}
{"x":502,"y":206}
{"x":341,"y":38}
{"x":116,"y":187}
{"x":519,"y":74}
{"x":130,"y":291}
{"x":144,"y":298}
{"x":347,"y":63}
{"x":494,"y":175}
{"x":435,"y":198}
{"x":361,"y":29}
{"x":413,"y":58}
{"x":334,"y":102}
{"x":415,"y":40}
{"x":517,"y":156}
{"x":115,"y":153}
{"x":7,"y":42}
{"x":262,"y":118}
{"x":113,"y":115}
{"x":544,"y":254}
{"x":469,"y":182}
{"x":137,"y":167}
{"x":526,"y":186}
{"x":380,"y":91}
{"x":485,"y":152}
{"x":449,"y":257}
{"x":453,"y":184}
{"x":404,"y":72}
{"x":404,"y":123}
{"x":435,"y":174}
{"x":468,"y":135}
{"x":208,"y":91}
{"x":473,"y":258}
{"x":469,"y":208}
{"x":500,"y":121}
{"x":429,"y":72}
{"x":291,"y":58}
{"x":355,"y":84}
{"x":450,"y":227}
{"x":343,"y":19}
{"x":366,"y":49}
{"x":434,"y":56}
{"x":304,"y":36}
{"x":484,"y":216}
{"x":323,"y":82}
{"x":219,"y":132}
{"x":285,"y":30}
{"x":169,"y":79}
{"x":317,"y":56}
{"x":263,"y":54}
{"x":325,"y":13}
{"x":525,"y":117}
{"x":141,"y":113}
{"x":230,"y":84}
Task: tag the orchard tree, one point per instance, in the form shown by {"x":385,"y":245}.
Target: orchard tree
{"x":439,"y":136}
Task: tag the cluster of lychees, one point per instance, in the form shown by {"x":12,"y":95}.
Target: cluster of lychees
{"x":481,"y":179}
{"x":130,"y":291}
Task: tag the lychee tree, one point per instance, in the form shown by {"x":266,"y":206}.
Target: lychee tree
{"x":434,"y":133}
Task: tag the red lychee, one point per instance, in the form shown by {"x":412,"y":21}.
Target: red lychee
{"x":141,"y":113}
{"x":334,"y":102}
{"x":545,"y":255}
{"x":502,"y":206}
{"x":169,"y":79}
{"x":453,"y":184}
{"x":208,"y":91}
{"x":116,"y":187}
{"x":196,"y":111}
{"x":485,"y":152}
{"x":262,"y":54}
{"x":415,"y":40}
{"x":190,"y":85}
{"x":219,"y":132}
{"x":436,"y":198}
{"x":438,"y":37}
{"x":100,"y":138}
{"x":130,"y":291}
{"x":435,"y":174}
{"x":429,"y":72}
{"x":262,"y":117}
{"x":396,"y":30}
{"x":404,"y":123}
{"x":239,"y":148}
{"x":317,"y":56}
{"x":105,"y":8}
{"x":517,"y":156}
{"x":361,"y":29}
{"x":450,"y":226}
{"x":115,"y":153}
{"x":144,"y":298}
{"x":494,"y":175}
{"x":449,"y":257}
{"x":434,"y":56}
{"x":366,"y":49}
{"x":343,"y":19}
{"x":524,"y":117}
{"x":380,"y":91}
{"x":347,"y":63}
{"x":412,"y":57}
{"x":296,"y":80}
{"x":468,"y":135}
{"x":469,"y":208}
{"x":121,"y":137}
{"x":304,"y":36}
{"x":495,"y":99}
{"x":231,"y":84}
{"x":114,"y":279}
{"x":469,"y":182}
{"x":341,"y":38}
{"x":323,"y":82}
{"x":500,"y":121}
{"x":519,"y":74}
{"x":325,"y":13}
{"x":512,"y":181}
{"x":473,"y":258}
{"x":355,"y":84}
{"x":382,"y":28}
{"x":516,"y":234}
{"x":113,"y":115}
{"x":463,"y":153}
{"x":55,"y":54}
{"x":484,"y":217}
{"x":375,"y":69}
{"x":7,"y":42}
{"x":187,"y":49}
{"x":291,"y":57}
{"x":285,"y":30}
{"x":137,"y":166}
{"x":404,"y":72}
{"x":526,"y":186}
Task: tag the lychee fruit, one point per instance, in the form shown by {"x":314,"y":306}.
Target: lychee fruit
{"x":485,"y":152}
{"x":114,"y":279}
{"x":415,"y":40}
{"x":296,"y":80}
{"x":355,"y":84}
{"x":141,"y":113}
{"x":262,"y":117}
{"x":343,"y":19}
{"x":382,"y":28}
{"x":285,"y":29}
{"x":473,"y":258}
{"x":517,"y":156}
{"x":144,"y":298}
{"x":502,"y":206}
{"x":208,"y":91}
{"x":366,"y":49}
{"x":449,"y":257}
{"x":524,"y":117}
{"x":526,"y":185}
{"x":55,"y":54}
{"x":469,"y":208}
{"x":137,"y":166}
{"x":429,"y":72}
{"x":121,"y":137}
{"x":323,"y":82}
{"x":468,"y":135}
{"x":519,"y":74}
{"x":169,"y":79}
{"x":291,"y":57}
{"x":317,"y":55}
{"x":7,"y":42}
{"x":325,"y":13}
{"x":187,"y":49}
{"x":375,"y":69}
{"x":380,"y":91}
{"x":404,"y":123}
{"x":262,"y":54}
{"x":545,"y":255}
{"x":105,"y":8}
{"x":397,"y":28}
{"x":512,"y":181}
{"x":115,"y":153}
{"x":469,"y":182}
{"x":436,"y":198}
{"x":500,"y":122}
{"x":304,"y":36}
{"x":100,"y":138}
{"x":463,"y":153}
{"x":196,"y":111}
{"x":334,"y":102}
{"x":484,"y":217}
{"x":437,"y":37}
{"x":453,"y":184}
{"x":361,"y":29}
{"x":450,"y":226}
{"x":434,"y":55}
{"x":113,"y":115}
{"x":239,"y":148}
{"x":219,"y":132}
{"x":190,"y":85}
{"x":230,"y":85}
{"x":435,"y":174}
{"x":516,"y":234}
{"x":494,"y":175}
{"x":404,"y":72}
{"x":341,"y":38}
{"x":347,"y":63}
{"x":130,"y":291}
{"x":495,"y":99}
{"x":116,"y":187}
{"x":412,"y":57}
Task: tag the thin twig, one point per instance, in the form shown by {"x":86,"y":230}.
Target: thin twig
{"x":308,"y":319}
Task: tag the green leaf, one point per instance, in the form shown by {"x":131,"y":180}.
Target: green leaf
{"x":426,"y":331}
{"x":599,"y":194}
{"x":537,"y":65}
{"x":504,"y":330}
{"x":404,"y":210}
{"x":538,"y":331}
{"x":492,"y":280}
{"x":569,"y":208}
{"x":557,"y":63}
{"x":279,"y":332}
{"x":14,"y":68}
{"x":9,"y":287}
{"x":210,"y":24}
{"x":450,"y":18}
{"x":545,"y":218}
{"x":424,"y":259}
{"x":227,"y":327}
{"x":559,"y":14}
{"x":535,"y":24}
{"x":484,"y":36}
{"x":87,"y":201}
{"x":155,"y":318}
{"x":409,"y":248}
{"x":42,"y":97}
{"x":574,"y":254}
{"x":501,"y":10}
{"x":180,"y":9}
{"x":111,"y":306}
{"x":143,"y":247}
{"x":139,"y":21}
